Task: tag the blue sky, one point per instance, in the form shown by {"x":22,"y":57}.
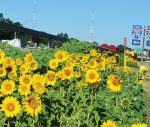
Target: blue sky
{"x":113,"y":19}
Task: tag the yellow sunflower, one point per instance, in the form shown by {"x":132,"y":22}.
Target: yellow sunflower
{"x":92,"y":76}
{"x":93,"y":52}
{"x":101,"y":66}
{"x":104,"y":53}
{"x":33,"y":65}
{"x":10,"y":106}
{"x":2,"y":72}
{"x":68,"y":72}
{"x":139,"y":125}
{"x":113,"y":59}
{"x":101,"y":60}
{"x":140,"y":80}
{"x":12,"y":75}
{"x":61,"y":55}
{"x":53,"y":64}
{"x":60,"y":75}
{"x":9,"y":61}
{"x":38,"y":78}
{"x":109,"y":123}
{"x":92,"y":64}
{"x":10,"y":67}
{"x":98,"y":54}
{"x":51,"y":78}
{"x":143,"y":69}
{"x":24,"y":89}
{"x":32,"y":105}
{"x":83,"y":67}
{"x":109,"y":59}
{"x":127,"y":70}
{"x":114,"y":83}
{"x":77,"y":74}
{"x":19,"y":61}
{"x":85,"y":58}
{"x":28,"y":57}
{"x":24,"y":69}
{"x":2,"y":57}
{"x":25,"y":79}
{"x":7,"y":87}
{"x":39,"y":88}
{"x":73,"y":57}
{"x":71,"y":64}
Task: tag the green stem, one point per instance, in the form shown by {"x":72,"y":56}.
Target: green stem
{"x":33,"y":123}
{"x":117,"y":100}
{"x":91,"y":96}
{"x":79,"y":123}
{"x":8,"y":125}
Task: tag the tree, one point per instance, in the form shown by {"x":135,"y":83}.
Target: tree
{"x":7,"y":34}
{"x":63,"y":35}
{"x":120,"y":48}
{"x":1,"y":16}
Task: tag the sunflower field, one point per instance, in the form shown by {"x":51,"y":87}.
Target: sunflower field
{"x":69,"y":90}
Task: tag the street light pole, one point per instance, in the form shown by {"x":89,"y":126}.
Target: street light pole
{"x":143,"y":42}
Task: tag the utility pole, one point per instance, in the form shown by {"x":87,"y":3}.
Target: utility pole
{"x":125,"y":60}
{"x":143,"y":42}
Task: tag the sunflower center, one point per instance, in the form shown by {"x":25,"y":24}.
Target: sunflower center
{"x":40,"y":88}
{"x":100,"y":66}
{"x":51,"y":77}
{"x":8,"y":87}
{"x":67,"y":72}
{"x":92,"y":63}
{"x":1,"y":71}
{"x":54,"y":64}
{"x":73,"y":57}
{"x":29,"y":58}
{"x":116,"y":81}
{"x":33,"y":103}
{"x":32,"y":65}
{"x":10,"y":107}
{"x":24,"y":88}
{"x":109,"y":125}
{"x":92,"y":76}
{"x":60,"y":56}
{"x":26,"y":80}
{"x":22,"y":69}
{"x":9,"y":69}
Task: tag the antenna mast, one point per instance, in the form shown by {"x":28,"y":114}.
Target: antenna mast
{"x":92,"y":28}
{"x":34,"y":18}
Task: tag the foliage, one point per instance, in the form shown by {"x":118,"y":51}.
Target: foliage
{"x":63,"y":35}
{"x":75,"y":46}
{"x":11,"y":51}
{"x":120,"y":48}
